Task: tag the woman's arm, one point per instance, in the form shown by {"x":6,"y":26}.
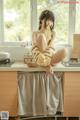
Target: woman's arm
{"x":52,"y":41}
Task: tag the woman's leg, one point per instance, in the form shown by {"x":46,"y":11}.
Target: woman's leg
{"x":41,"y":43}
{"x":58,"y":56}
{"x":32,"y":64}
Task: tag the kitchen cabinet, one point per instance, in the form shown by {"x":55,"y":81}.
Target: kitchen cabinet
{"x":71,"y":94}
{"x":8,"y":92}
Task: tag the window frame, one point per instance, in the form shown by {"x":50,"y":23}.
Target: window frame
{"x":72,"y":21}
{"x":33,"y":8}
{"x":1,"y":22}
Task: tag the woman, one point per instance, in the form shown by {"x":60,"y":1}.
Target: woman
{"x":43,"y":50}
{"x":41,"y":94}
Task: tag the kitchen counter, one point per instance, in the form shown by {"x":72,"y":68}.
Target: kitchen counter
{"x":10,"y":84}
{"x":20,"y":66}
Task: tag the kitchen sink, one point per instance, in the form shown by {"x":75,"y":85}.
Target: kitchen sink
{"x":6,"y":64}
{"x":70,"y":64}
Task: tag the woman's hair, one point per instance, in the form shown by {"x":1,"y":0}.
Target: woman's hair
{"x":46,"y":15}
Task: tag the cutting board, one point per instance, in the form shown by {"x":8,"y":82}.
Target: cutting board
{"x":76,"y":46}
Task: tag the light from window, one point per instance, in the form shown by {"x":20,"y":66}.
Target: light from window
{"x":77,"y":28}
{"x":17,"y":20}
{"x":61,"y":12}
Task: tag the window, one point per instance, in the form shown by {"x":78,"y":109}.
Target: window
{"x":17,"y":20}
{"x":60,"y":11}
{"x":77,"y":27}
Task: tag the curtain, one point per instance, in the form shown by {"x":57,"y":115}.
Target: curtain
{"x":39,"y":93}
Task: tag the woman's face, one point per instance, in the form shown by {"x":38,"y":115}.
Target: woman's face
{"x":49,"y":23}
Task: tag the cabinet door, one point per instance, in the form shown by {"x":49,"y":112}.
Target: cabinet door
{"x":72,"y":94}
{"x":8,"y":92}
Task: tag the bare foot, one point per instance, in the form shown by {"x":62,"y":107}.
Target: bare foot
{"x":49,"y":70}
{"x":32,"y":64}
